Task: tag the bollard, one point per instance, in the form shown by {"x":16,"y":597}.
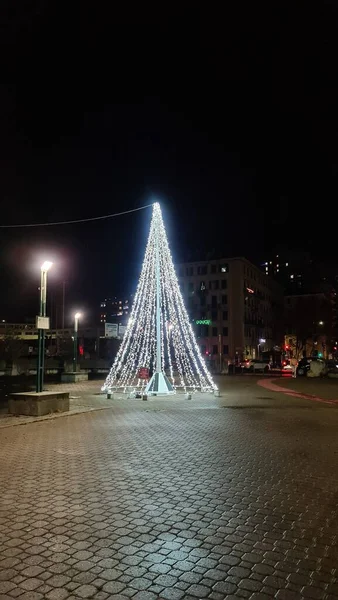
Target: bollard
{"x":217,"y":393}
{"x":188,"y":396}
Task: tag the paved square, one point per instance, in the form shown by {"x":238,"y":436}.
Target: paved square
{"x":172,"y":500}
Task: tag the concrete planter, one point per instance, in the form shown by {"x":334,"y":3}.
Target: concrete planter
{"x":37,"y":405}
{"x":74,"y":377}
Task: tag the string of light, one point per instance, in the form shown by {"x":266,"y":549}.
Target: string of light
{"x":181,"y":358}
{"x":125,"y":212}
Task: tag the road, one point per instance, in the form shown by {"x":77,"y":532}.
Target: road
{"x":209,"y":498}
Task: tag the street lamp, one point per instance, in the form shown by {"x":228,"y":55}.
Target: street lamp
{"x":261,"y":341}
{"x":77,"y":316}
{"x":42,"y":325}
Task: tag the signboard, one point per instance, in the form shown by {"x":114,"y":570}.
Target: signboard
{"x":203,"y":322}
{"x":143,"y":373}
{"x":42,"y":322}
{"x":110,"y":330}
{"x":122,"y":330}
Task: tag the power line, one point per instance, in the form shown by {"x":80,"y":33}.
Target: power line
{"x":125,"y":212}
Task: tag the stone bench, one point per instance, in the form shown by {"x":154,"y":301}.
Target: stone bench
{"x":36,"y":405}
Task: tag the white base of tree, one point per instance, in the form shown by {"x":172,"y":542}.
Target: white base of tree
{"x":159,"y":384}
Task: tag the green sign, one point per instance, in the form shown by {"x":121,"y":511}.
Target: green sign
{"x":203,"y":322}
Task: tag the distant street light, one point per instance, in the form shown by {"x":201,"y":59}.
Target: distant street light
{"x":261,"y":341}
{"x":77,"y":316}
{"x":42,"y":325}
{"x":321,"y":323}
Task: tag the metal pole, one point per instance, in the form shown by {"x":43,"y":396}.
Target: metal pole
{"x":63,"y":304}
{"x":75,"y":344}
{"x":220,"y":352}
{"x":158,"y":307}
{"x":41,"y":334}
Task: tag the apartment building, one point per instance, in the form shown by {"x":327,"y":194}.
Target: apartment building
{"x":236,"y":310}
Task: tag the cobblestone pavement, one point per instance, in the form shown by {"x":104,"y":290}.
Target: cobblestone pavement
{"x":172,"y":500}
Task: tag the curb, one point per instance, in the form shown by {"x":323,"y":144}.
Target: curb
{"x":52,"y":416}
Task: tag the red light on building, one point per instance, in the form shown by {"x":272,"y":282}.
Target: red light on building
{"x":81,"y":350}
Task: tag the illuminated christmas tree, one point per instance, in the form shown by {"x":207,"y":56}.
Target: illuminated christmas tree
{"x":159,"y":339}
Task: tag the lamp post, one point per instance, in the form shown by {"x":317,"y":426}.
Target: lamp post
{"x":261,"y":341}
{"x":41,"y":324}
{"x":76,"y":326}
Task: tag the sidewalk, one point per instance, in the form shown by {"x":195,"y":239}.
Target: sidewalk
{"x":172,"y":499}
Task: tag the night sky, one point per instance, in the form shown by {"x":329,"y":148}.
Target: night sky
{"x":229,"y":120}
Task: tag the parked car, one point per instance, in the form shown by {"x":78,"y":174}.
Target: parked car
{"x":304,"y":365}
{"x":286,"y":367}
{"x":332,"y":365}
{"x":256,"y":365}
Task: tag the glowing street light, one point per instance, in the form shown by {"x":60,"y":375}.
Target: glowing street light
{"x":42,"y":325}
{"x":46,"y":265}
{"x":77,"y":316}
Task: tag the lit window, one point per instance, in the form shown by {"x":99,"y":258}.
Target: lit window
{"x":291,"y":276}
{"x":286,"y":264}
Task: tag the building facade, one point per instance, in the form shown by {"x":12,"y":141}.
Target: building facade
{"x":115,"y":310}
{"x":235,"y":309}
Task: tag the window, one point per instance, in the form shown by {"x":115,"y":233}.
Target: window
{"x":213,"y":269}
{"x":181,"y":272}
{"x":224,"y":284}
{"x":189,"y":271}
{"x":202,"y":270}
{"x":205,"y":331}
{"x":216,"y":284}
{"x":203,"y":300}
{"x":224,"y":299}
{"x":214,"y":331}
{"x":225,"y":331}
{"x":214,"y":349}
{"x":203,"y":349}
{"x":182,"y":286}
{"x":190,"y":286}
{"x":224,"y":268}
{"x":214,"y":315}
{"x":214,"y":301}
{"x":226,"y":349}
{"x":225,"y":315}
